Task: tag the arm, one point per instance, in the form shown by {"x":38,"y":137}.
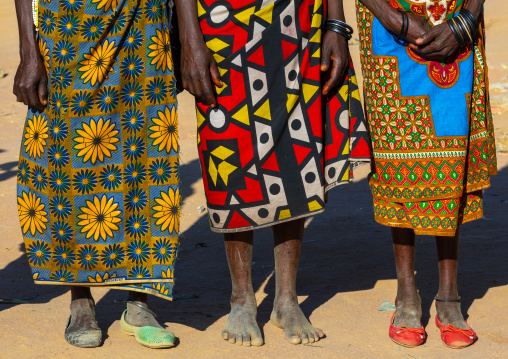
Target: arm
{"x":30,"y":82}
{"x":391,"y":19}
{"x":334,"y":48}
{"x":440,"y":43}
{"x":198,"y":66}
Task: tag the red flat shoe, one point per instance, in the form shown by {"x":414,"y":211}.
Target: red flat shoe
{"x":407,"y":337}
{"x":456,"y":338}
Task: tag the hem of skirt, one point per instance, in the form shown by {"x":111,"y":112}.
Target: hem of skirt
{"x":105,"y":284}
{"x":251,"y":228}
{"x":170,"y":298}
{"x":356,"y":163}
{"x":122,"y":286}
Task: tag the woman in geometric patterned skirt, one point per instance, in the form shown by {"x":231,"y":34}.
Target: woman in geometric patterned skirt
{"x":272,"y":137}
{"x":427,"y":103}
{"x":98,"y":183}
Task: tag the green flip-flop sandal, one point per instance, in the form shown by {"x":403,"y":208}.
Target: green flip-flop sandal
{"x":151,"y":337}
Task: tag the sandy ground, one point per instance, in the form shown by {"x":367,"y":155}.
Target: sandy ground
{"x":346,"y":271}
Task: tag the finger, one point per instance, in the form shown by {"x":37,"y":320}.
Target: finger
{"x":428,"y":50}
{"x":427,"y":37}
{"x":24,"y":97}
{"x":215,"y":74}
{"x":208,"y":95}
{"x":325,"y":57}
{"x":33,"y":98}
{"x":17,"y":93}
{"x":335,"y":75}
{"x":43,"y":92}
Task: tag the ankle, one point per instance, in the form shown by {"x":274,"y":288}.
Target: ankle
{"x":242,"y":298}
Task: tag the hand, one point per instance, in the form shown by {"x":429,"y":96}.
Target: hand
{"x":392,"y":21}
{"x":418,"y":27}
{"x":438,"y":44}
{"x":31,"y":81}
{"x":334,"y":48}
{"x":198,"y":68}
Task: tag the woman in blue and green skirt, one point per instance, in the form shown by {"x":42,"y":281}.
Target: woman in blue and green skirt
{"x":98,"y":179}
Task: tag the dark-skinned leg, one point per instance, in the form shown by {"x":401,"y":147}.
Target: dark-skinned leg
{"x":242,"y":327}
{"x":286,"y":312}
{"x":83,"y":330}
{"x":136,"y":316}
{"x":447,"y":254}
{"x":408,"y":302}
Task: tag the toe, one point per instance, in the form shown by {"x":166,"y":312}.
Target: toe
{"x":239,"y":339}
{"x":293,"y":338}
{"x":257,"y":341}
{"x":305,"y":338}
{"x":246,"y":339}
{"x":311,"y":337}
{"x":319,"y":333}
{"x":232,"y":338}
{"x":225,"y":334}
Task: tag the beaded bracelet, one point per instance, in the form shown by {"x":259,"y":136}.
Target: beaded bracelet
{"x":35,"y":13}
{"x":340,"y":27}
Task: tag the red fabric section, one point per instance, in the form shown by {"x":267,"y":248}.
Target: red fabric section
{"x":253,"y":191}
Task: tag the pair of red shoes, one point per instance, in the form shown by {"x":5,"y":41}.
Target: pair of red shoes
{"x":451,"y":336}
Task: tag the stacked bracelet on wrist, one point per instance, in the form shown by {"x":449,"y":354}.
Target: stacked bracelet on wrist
{"x":340,"y":27}
{"x":405,"y":26}
{"x":464,"y":27}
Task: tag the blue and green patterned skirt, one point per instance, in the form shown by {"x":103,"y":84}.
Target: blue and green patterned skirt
{"x":98,"y":179}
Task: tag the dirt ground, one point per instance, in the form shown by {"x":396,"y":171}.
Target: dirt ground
{"x":346,"y":271}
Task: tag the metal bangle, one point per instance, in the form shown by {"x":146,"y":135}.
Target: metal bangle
{"x":462,"y":30}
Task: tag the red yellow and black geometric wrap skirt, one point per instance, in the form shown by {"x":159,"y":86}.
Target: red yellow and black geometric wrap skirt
{"x":273,"y":145}
{"x":430,"y":125}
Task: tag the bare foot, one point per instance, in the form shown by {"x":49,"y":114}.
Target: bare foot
{"x":242,"y":327}
{"x":450,"y":313}
{"x":409,"y":310}
{"x":297,"y":329}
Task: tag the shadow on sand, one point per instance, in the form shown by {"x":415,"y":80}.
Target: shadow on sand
{"x":344,"y":250}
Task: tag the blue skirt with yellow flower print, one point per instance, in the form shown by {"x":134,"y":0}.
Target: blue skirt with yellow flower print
{"x":98,"y":179}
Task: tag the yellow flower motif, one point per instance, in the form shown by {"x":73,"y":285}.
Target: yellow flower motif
{"x":98,"y":62}
{"x":161,"y":288}
{"x":99,"y":279}
{"x":166,"y":130}
{"x":96,"y":140}
{"x":100,"y":218}
{"x":43,"y":49}
{"x":168,"y":211}
{"x":161,"y":53}
{"x":36,"y":135}
{"x":32,"y":214}
{"x":167,"y":274}
{"x":106,"y":4}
